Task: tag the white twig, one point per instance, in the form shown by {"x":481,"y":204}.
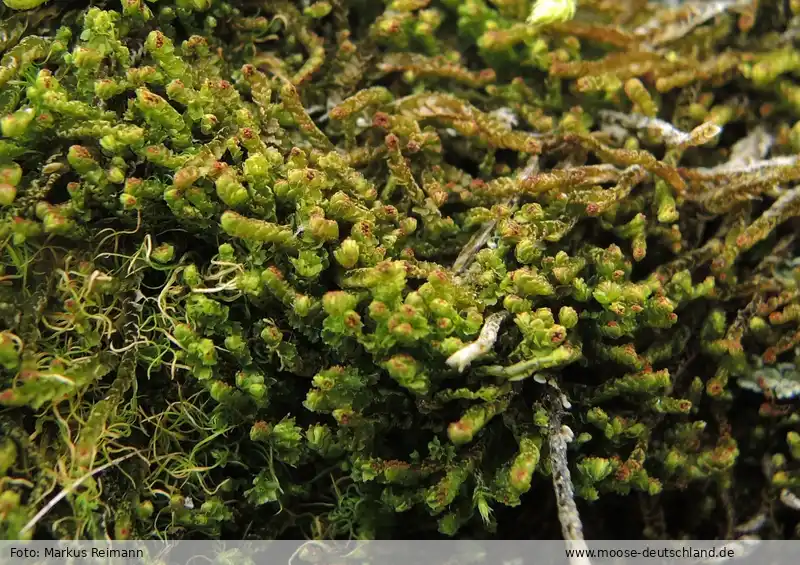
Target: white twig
{"x":790,"y":499}
{"x":750,"y":166}
{"x":752,"y":147}
{"x":479,"y":239}
{"x":475,"y":244}
{"x":462,"y":358}
{"x":781,"y":385}
{"x":64,"y":493}
{"x":692,"y":15}
{"x":786,"y":206}
{"x":753,"y":525}
{"x":671,"y":135}
{"x":568,"y":515}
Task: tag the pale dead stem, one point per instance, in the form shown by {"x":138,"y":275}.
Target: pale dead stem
{"x":571,"y":526}
{"x":479,"y":239}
